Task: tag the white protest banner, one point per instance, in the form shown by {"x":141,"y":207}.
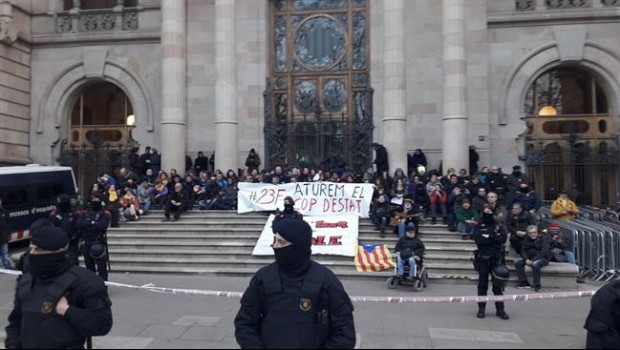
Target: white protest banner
{"x":331,"y":235}
{"x":311,"y":198}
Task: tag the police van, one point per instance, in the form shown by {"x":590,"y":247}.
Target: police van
{"x":30,"y":192}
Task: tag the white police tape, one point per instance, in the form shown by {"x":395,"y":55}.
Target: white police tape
{"x":364,"y":299}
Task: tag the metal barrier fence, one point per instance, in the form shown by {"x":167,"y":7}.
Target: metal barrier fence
{"x":594,"y":239}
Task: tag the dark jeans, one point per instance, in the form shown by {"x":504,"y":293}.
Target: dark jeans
{"x":537,"y":266}
{"x":174,"y":210}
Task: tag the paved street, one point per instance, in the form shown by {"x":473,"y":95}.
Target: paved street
{"x":144,"y":319}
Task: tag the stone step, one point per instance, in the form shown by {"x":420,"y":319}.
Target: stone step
{"x":343,"y":274}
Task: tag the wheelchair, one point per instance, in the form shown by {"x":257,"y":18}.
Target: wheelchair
{"x":418,"y":283}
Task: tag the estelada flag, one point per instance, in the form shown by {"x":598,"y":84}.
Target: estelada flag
{"x":372,"y":257}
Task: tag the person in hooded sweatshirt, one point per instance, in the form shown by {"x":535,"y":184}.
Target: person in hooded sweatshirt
{"x":295,"y":302}
{"x":57,"y":304}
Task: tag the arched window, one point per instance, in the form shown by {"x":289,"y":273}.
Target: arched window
{"x":565,"y":91}
{"x":101,"y":115}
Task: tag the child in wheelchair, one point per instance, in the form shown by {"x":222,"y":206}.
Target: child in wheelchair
{"x":409,"y":254}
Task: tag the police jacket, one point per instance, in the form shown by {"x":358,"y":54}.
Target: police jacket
{"x":93,"y":225}
{"x":66,"y":221}
{"x":317,"y":315}
{"x":34,"y":323}
{"x":490,"y":239}
{"x":603,"y":322}
{"x":535,"y":249}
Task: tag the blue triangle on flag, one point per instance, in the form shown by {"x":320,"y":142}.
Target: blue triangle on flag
{"x":369,"y":248}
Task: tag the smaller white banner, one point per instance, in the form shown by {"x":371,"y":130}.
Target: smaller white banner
{"x":331,"y":235}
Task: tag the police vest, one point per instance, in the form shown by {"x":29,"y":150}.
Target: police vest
{"x":603,"y":322}
{"x":90,"y":236}
{"x":294,"y":317}
{"x":41,"y":326}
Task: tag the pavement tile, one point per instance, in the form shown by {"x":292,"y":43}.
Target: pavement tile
{"x":188,"y":344}
{"x":111,"y":342}
{"x":500,"y":337}
{"x":163,"y":331}
{"x":451,"y":333}
{"x":419,"y":342}
{"x":211,"y":334}
{"x":454,"y":344}
{"x":197,"y":321}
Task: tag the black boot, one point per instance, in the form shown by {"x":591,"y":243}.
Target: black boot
{"x":502,"y":314}
{"x":480,"y":313}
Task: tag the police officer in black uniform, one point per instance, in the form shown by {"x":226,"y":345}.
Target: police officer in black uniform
{"x":294,"y":302}
{"x":57,"y":304}
{"x":93,"y":225}
{"x":603,"y":322}
{"x":65,"y":217}
{"x":490,"y":238}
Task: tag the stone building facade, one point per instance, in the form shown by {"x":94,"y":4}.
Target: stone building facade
{"x":442,"y":75}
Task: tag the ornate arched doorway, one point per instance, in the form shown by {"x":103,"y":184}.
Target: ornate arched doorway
{"x":570,"y":140}
{"x":318,"y":100}
{"x":99,"y":132}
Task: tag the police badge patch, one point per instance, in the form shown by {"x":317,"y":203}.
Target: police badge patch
{"x":47,"y":307}
{"x":305,"y":304}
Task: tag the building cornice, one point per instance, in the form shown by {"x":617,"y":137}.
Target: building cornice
{"x":554,"y":17}
{"x":96,"y":38}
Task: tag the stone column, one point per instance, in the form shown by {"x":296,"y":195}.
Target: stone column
{"x":173,"y":81}
{"x":455,"y":151}
{"x":394,"y":84}
{"x":226,"y":139}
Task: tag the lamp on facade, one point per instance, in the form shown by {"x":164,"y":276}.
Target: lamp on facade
{"x":548,"y":111}
{"x":131,"y":120}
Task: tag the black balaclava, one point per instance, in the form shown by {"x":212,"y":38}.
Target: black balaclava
{"x":289,"y":204}
{"x":525,"y":189}
{"x":46,"y":266}
{"x":294,"y":259}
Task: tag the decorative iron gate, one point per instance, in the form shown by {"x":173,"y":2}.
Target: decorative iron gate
{"x":89,"y":162}
{"x":317,"y":140}
{"x":588,"y":170}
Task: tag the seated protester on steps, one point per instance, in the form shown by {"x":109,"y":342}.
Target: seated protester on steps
{"x":380,"y":214}
{"x":406,"y":215}
{"x":410,"y":251}
{"x":177,"y":203}
{"x":57,"y":304}
{"x":517,"y":221}
{"x":558,"y":246}
{"x":563,"y":208}
{"x":467,"y":218}
{"x":289,"y":210}
{"x":535,"y":252}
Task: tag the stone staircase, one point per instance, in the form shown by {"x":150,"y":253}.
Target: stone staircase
{"x":221,"y":243}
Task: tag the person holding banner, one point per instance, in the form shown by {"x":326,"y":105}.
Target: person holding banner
{"x":294,"y":303}
{"x":289,"y":210}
